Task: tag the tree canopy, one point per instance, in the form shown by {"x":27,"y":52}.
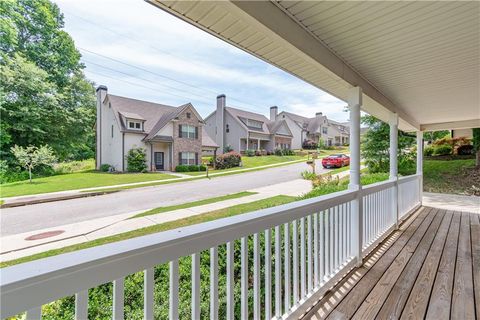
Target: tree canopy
{"x":45,"y":97}
{"x":375,"y":147}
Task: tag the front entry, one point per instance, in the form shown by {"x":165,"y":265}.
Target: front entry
{"x":159,"y":163}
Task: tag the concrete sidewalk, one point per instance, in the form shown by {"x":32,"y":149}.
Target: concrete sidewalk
{"x":454,"y":202}
{"x":17,"y":246}
{"x":93,"y":191}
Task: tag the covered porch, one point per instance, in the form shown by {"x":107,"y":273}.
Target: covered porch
{"x":160,"y":157}
{"x":366,"y":252}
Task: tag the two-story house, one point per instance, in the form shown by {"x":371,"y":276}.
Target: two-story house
{"x":170,"y":135}
{"x":244,"y":130}
{"x":315,"y":128}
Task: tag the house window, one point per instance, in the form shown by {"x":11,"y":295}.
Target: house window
{"x":324,"y":130}
{"x":254,"y":123}
{"x":188,"y":158}
{"x":135,"y":125}
{"x":112,"y":130}
{"x":227,"y":129}
{"x":188,"y":115}
{"x":187,"y":131}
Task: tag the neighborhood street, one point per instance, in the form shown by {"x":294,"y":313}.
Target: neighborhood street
{"x":40,"y":216}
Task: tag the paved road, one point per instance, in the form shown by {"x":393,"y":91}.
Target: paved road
{"x":47,"y":215}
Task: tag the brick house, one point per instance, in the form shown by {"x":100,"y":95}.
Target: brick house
{"x":170,"y":135}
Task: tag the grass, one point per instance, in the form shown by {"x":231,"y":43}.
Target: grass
{"x":194,"y":203}
{"x":209,"y":216}
{"x":254,"y":162}
{"x":451,"y":176}
{"x":78,"y":180}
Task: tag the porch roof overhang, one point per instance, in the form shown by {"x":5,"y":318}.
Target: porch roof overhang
{"x":420,"y":60}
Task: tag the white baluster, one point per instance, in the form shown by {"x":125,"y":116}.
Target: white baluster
{"x":195,"y":286}
{"x":118,"y":298}
{"x":295,"y":262}
{"x":316,"y":269}
{"x":214,"y":283}
{"x":34,"y":313}
{"x":81,"y":305}
{"x":256,"y":277}
{"x":278,"y":273}
{"x":286,"y":237}
{"x":148,"y":289}
{"x":230,"y":282}
{"x":309,"y":254}
{"x":303,"y":289}
{"x":322,"y":246}
{"x":173,"y":302}
{"x":268,"y":275}
{"x":244,"y":278}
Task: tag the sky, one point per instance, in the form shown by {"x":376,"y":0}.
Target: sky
{"x":142,"y":52}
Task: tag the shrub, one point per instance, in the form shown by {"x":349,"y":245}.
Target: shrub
{"x":465,"y":150}
{"x":428,"y":151}
{"x":228,"y":160}
{"x":278,"y":152}
{"x":202,"y":168}
{"x":228,"y":148}
{"x":443,"y":149}
{"x":105,"y":167}
{"x":181,"y":168}
{"x":192,"y":168}
{"x":308,"y":175}
{"x":136,"y":160}
{"x":74,"y":166}
{"x":258,"y":153}
{"x":288,"y":152}
{"x":309,"y":144}
{"x":250,"y":153}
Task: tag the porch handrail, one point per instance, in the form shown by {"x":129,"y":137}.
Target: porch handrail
{"x":29,"y":285}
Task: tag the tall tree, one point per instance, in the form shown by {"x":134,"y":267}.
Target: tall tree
{"x":375,"y":147}
{"x":45,"y":97}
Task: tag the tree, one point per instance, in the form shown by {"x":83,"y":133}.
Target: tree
{"x":45,"y":97}
{"x":476,"y":144}
{"x":136,"y":160}
{"x":375,"y":147}
{"x":431,"y":136}
{"x":31,"y":157}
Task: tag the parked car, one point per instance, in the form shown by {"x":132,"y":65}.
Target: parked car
{"x":336,"y":161}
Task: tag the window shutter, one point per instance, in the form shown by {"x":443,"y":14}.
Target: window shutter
{"x":180,"y":131}
{"x":179,"y":158}
{"x":196,"y":132}
{"x":196,"y":158}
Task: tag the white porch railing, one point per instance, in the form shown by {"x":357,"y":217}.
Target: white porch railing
{"x":308,"y":246}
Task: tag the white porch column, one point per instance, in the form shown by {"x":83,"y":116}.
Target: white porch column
{"x":258,"y":144}
{"x":354,"y":104}
{"x":393,"y":122}
{"x":420,"y":164}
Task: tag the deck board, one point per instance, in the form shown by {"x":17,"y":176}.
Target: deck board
{"x":427,"y":269}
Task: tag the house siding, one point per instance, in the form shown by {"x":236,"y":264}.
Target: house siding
{"x":110,"y":146}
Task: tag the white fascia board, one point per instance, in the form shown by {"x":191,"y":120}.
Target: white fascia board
{"x":466,"y":124}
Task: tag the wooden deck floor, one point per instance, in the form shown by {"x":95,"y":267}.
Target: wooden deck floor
{"x":430,"y":268}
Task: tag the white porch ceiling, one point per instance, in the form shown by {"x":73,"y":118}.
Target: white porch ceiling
{"x":419,"y":59}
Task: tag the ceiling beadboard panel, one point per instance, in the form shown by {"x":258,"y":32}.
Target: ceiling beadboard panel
{"x":420,"y":59}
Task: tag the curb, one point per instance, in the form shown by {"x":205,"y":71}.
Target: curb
{"x":53,"y":199}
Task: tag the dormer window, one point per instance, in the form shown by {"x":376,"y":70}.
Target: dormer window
{"x":254,"y":123}
{"x":134,"y":125}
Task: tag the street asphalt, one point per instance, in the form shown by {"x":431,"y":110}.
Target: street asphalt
{"x":49,"y":215}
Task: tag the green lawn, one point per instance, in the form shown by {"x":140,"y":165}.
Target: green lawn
{"x":451,"y":176}
{"x":77,"y":180}
{"x":209,"y":216}
{"x":194,"y":203}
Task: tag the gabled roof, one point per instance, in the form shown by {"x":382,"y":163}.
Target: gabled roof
{"x":149,"y":111}
{"x":242,"y":114}
{"x":273,"y":126}
{"x":154,"y":115}
{"x":207,"y":141}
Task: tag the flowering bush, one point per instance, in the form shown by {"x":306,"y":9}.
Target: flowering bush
{"x":228,"y":160}
{"x":136,"y":160}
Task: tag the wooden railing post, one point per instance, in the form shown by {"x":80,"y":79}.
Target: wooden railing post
{"x":354,"y":104}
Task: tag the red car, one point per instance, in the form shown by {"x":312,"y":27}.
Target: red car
{"x":336,"y":161}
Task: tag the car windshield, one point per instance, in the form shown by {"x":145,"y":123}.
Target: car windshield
{"x":335,"y":156}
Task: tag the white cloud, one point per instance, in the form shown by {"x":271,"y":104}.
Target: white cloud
{"x":138,"y":34}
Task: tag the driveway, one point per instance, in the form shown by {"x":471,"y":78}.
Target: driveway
{"x":47,"y":215}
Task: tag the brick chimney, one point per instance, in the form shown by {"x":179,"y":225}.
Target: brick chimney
{"x":273,"y":113}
